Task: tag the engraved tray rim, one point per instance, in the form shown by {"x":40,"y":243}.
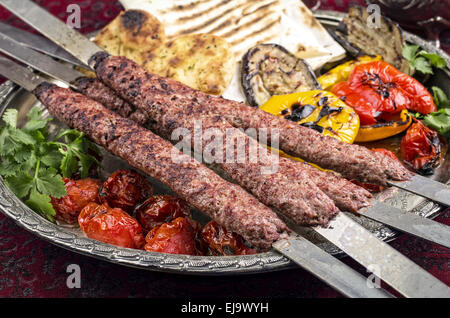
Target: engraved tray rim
{"x":14,"y":208}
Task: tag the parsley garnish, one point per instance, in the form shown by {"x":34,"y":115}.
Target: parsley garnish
{"x":439,"y":120}
{"x":421,"y":60}
{"x":33,"y":165}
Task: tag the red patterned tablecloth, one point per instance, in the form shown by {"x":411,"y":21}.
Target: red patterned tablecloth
{"x":31,"y":267}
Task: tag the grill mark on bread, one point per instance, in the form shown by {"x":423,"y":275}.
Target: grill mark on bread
{"x":210,"y":21}
{"x":186,"y":7}
{"x":202,"y":13}
{"x":221,"y":26}
{"x":266,"y":27}
{"x":263,"y":7}
{"x":240,"y":27}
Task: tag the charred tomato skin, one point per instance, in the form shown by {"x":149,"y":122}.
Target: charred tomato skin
{"x":111,"y":225}
{"x":420,"y":148}
{"x":176,"y":237}
{"x":125,"y":189}
{"x":79,"y":194}
{"x":222,"y":242}
{"x":159,"y":209}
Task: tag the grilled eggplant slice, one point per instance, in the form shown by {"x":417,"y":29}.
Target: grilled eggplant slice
{"x":358,"y":38}
{"x":269,"y":69}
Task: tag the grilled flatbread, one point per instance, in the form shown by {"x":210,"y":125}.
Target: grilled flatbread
{"x":133,"y":33}
{"x":201,"y":61}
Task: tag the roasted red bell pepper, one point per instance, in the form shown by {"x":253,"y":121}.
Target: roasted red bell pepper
{"x":378,"y":89}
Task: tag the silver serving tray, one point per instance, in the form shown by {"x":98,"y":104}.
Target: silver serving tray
{"x":71,"y":238}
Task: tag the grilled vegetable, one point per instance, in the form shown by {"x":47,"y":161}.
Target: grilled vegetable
{"x":111,"y":225}
{"x":377,"y":89}
{"x":222,"y":242}
{"x":356,"y":35}
{"x":79,"y":194}
{"x":125,"y":189}
{"x":269,"y":69}
{"x":386,"y":129}
{"x":421,"y":148}
{"x":342,"y":72}
{"x":159,"y":209}
{"x":175,"y":237}
{"x":319,"y":110}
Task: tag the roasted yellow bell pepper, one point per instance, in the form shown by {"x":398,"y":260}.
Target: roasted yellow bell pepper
{"x":342,"y":72}
{"x":319,"y":110}
{"x":384,"y":130}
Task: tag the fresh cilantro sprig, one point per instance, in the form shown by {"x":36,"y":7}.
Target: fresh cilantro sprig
{"x":421,"y":60}
{"x":439,"y":120}
{"x":33,"y":165}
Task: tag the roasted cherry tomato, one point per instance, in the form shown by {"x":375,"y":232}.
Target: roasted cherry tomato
{"x":159,"y":209}
{"x":421,"y":148}
{"x":223,"y":242}
{"x":175,"y":237}
{"x":125,"y":189}
{"x":319,"y":110}
{"x":377,"y":88}
{"x":79,"y":194}
{"x":111,"y":225}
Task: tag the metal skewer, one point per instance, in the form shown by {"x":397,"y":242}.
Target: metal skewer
{"x":39,"y":43}
{"x":395,"y":269}
{"x":383,"y":213}
{"x":316,"y":261}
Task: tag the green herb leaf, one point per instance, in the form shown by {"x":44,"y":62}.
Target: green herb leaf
{"x":52,"y":159}
{"x":8,"y":167}
{"x":20,"y":184}
{"x":440,"y":98}
{"x":422,"y":61}
{"x":34,"y":114}
{"x":23,"y":154}
{"x":422,"y":65}
{"x":439,"y":121}
{"x":32,"y":164}
{"x":21,"y":137}
{"x":409,"y":52}
{"x":435,"y":59}
{"x":10,"y":117}
{"x":69,"y":163}
{"x":41,"y":204}
{"x":50,"y":182}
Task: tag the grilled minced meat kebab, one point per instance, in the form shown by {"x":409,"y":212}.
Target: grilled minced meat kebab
{"x":346,"y":195}
{"x":226,"y":203}
{"x":299,"y":199}
{"x":352,"y":161}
